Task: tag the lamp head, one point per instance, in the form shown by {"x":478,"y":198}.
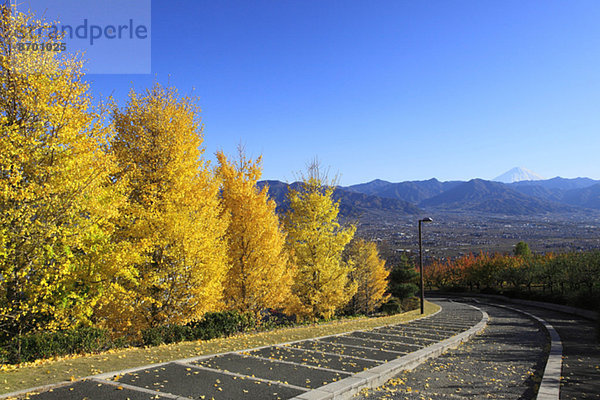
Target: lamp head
{"x":428,"y":219}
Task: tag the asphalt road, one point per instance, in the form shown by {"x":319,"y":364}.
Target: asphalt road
{"x":581,"y":353}
{"x":274,"y":372}
{"x":506,"y":361}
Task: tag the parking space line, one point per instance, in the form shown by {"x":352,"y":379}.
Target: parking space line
{"x":399,"y":336}
{"x":252,"y":378}
{"x":445,"y":334}
{"x":366,"y":347}
{"x":416,"y":328}
{"x":449,"y":331}
{"x":435,"y":325}
{"x":330,"y":354}
{"x":382,"y":341}
{"x":421,"y":333}
{"x":337,"y":371}
{"x":136,"y":388}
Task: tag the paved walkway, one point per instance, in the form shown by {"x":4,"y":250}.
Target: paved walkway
{"x":274,"y":372}
{"x":581,"y":353}
{"x":506,"y":361}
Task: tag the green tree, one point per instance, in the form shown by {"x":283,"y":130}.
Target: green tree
{"x":522,"y":249}
{"x":402,"y":279}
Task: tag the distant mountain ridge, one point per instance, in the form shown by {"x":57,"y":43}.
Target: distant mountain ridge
{"x":411,"y":191}
{"x":580,"y":192}
{"x":352,"y":204}
{"x":556,"y":195}
{"x":588,"y":197}
{"x":492,"y":197}
{"x":559,"y":183}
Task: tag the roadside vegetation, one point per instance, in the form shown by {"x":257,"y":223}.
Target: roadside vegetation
{"x":568,"y":278}
{"x":117,"y":231}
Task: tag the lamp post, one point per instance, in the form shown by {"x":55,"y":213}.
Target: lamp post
{"x":421,"y":264}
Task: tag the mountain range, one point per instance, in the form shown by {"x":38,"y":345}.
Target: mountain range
{"x":353,"y":204}
{"x":525,"y":197}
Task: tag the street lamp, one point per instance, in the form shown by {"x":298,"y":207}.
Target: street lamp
{"x":421,"y":264}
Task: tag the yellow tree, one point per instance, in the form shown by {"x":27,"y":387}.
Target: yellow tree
{"x":260,"y":276}
{"x":172,"y":216}
{"x":369,"y":274}
{"x":317,"y":240}
{"x":56,"y":198}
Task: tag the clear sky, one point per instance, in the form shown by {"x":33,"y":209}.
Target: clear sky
{"x":396,"y":90}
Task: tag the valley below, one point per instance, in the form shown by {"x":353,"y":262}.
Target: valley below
{"x":452,"y":234}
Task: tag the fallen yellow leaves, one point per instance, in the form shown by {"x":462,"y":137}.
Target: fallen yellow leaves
{"x":61,"y":369}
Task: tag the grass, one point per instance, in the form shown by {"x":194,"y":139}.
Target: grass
{"x":45,"y":372}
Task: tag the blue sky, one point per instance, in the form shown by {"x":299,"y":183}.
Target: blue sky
{"x":396,"y":90}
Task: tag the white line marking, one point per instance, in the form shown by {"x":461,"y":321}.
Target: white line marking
{"x":420,"y":333}
{"x":296,"y":364}
{"x":137,"y":388}
{"x":331,"y":354}
{"x":399,"y":336}
{"x":380,"y":341}
{"x":358,"y":347}
{"x":252,"y":378}
{"x":440,"y":326}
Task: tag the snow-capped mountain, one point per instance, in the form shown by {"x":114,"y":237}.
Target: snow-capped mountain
{"x":518,"y":174}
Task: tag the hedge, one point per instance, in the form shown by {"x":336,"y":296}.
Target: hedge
{"x":34,"y":346}
{"x":212,"y":325}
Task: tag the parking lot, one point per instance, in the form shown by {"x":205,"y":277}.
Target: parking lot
{"x":274,"y":372}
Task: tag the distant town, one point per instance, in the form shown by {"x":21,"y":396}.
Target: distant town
{"x":453,"y":235}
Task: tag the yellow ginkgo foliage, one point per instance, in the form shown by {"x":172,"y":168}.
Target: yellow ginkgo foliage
{"x":370,"y":275}
{"x":172,"y":216}
{"x":56,"y":198}
{"x":317,"y":240}
{"x":261,"y":275}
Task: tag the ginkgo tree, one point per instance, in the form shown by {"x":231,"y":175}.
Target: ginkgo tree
{"x":115,"y":219}
{"x":56,"y":198}
{"x":261,"y":273}
{"x":172,"y":217}
{"x":316,"y":240}
{"x":370,"y":275}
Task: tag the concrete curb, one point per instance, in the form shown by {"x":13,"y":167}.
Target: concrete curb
{"x":108,"y":375}
{"x":550,"y":386}
{"x":377,"y":376}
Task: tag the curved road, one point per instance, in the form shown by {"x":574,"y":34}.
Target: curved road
{"x":506,"y":361}
{"x":581,"y":353}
